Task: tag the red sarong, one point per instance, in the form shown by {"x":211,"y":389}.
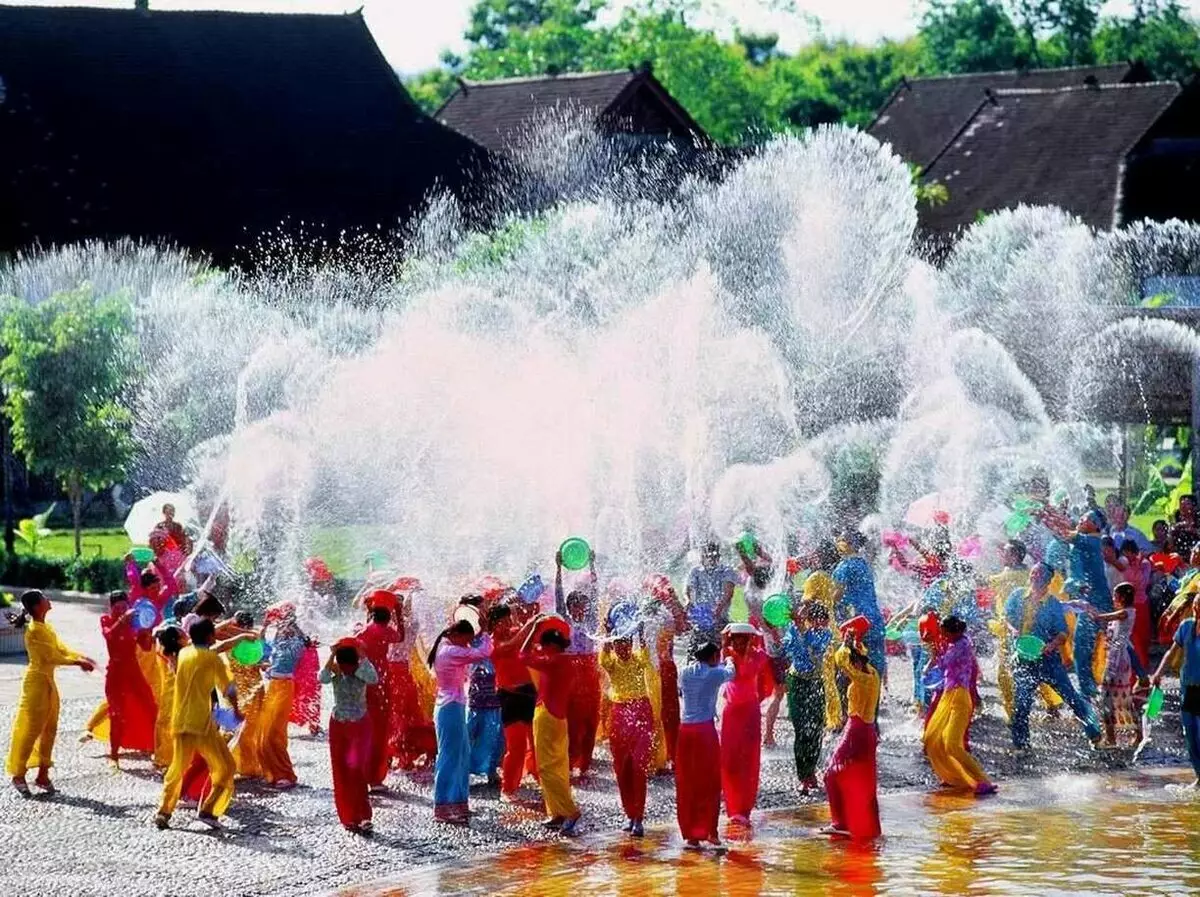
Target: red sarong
{"x":132,"y":712}
{"x":196,"y":782}
{"x":411,"y":737}
{"x":697,"y":790}
{"x":350,"y":756}
{"x":306,"y":701}
{"x":583,"y":709}
{"x":631,"y":740}
{"x":741,"y":740}
{"x":669,"y":675}
{"x":379,"y":715}
{"x":850,"y":781}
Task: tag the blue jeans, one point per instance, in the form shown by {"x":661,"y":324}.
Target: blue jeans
{"x":1191,"y":733}
{"x":1085,"y":649}
{"x":452,"y":768}
{"x":486,"y":734}
{"x":1050,"y":671}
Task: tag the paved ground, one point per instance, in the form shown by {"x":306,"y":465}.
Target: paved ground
{"x":95,"y":836}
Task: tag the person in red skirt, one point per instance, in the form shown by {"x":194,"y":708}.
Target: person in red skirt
{"x":698,"y":750}
{"x":741,"y":722}
{"x":659,"y":588}
{"x":132,"y":710}
{"x":582,"y":609}
{"x":851,"y":782}
{"x":380,"y":641}
{"x":631,"y":728}
{"x":350,"y":732}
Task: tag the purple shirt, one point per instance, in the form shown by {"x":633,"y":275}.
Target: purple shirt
{"x":958,"y":664}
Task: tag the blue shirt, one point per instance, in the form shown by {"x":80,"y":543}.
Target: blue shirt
{"x":854,"y":575}
{"x":806,"y":650}
{"x":699,"y":686}
{"x":1185,"y":638}
{"x":285,"y":654}
{"x":1049,"y":622}
{"x":1087,"y":565}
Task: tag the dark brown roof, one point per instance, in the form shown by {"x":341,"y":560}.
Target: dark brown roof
{"x":208,"y":128}
{"x":496,"y":114}
{"x":923,"y":114}
{"x":1045,"y":147}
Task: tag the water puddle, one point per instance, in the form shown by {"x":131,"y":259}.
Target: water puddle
{"x":1097,"y":835}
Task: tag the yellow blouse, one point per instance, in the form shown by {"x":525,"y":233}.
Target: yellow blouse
{"x":626,"y":678}
{"x":45,"y":650}
{"x":821,"y":588}
{"x":862,"y":697}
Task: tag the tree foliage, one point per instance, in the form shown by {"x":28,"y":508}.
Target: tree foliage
{"x":743,"y":85}
{"x":67,"y":369}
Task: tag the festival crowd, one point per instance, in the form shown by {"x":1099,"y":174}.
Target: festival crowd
{"x":521,"y":683}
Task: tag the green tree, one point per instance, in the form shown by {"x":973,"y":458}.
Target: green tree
{"x":1159,"y":33}
{"x":1059,"y":32}
{"x":972,"y":36}
{"x":67,"y":367}
{"x":494,"y":23}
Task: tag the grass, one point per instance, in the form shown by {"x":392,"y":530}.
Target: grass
{"x":106,"y":543}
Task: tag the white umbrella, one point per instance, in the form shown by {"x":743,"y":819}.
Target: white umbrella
{"x":147,"y":514}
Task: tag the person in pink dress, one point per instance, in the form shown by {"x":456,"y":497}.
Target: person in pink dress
{"x":1138,"y":570}
{"x":741,"y":721}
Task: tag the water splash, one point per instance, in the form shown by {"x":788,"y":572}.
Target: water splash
{"x":761,"y":351}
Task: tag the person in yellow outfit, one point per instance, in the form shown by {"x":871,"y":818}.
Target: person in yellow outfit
{"x":36,"y":725}
{"x":945,"y":738}
{"x":272,"y":729}
{"x":247,"y":679}
{"x":552,"y":670}
{"x":199,"y":670}
{"x":1015,"y":575}
{"x":820,"y":588}
{"x":171,"y":640}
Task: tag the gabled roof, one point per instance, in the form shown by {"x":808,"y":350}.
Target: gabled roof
{"x":207,"y":128}
{"x":921,"y":115}
{"x":1063,"y":147}
{"x":496,"y":114}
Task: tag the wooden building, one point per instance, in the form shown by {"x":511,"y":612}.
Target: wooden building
{"x":501,"y":114}
{"x":208,"y":129}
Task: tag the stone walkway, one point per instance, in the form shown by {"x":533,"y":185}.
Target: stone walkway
{"x":95,"y":836}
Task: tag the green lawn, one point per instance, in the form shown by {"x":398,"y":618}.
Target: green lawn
{"x":106,"y":543}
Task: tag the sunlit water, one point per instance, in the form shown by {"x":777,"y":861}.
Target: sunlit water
{"x":1081,"y":835}
{"x":769,"y":351}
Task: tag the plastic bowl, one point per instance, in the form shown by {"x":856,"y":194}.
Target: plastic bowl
{"x":248,"y":653}
{"x":576,"y":553}
{"x":777,"y":610}
{"x":1029,"y":647}
{"x":145,"y":614}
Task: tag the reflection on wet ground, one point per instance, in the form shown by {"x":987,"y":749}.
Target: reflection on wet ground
{"x":1095,"y":835}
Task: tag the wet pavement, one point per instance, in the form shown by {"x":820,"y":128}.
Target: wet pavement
{"x":1097,"y":834}
{"x":95,"y":836}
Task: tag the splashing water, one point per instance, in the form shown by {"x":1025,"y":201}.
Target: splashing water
{"x":755,"y":354}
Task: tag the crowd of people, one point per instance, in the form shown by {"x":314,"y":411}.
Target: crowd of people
{"x":520,"y":684}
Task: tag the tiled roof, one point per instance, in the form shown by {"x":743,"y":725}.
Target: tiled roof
{"x":1062,"y":147}
{"x":497,"y":114}
{"x":924,"y":113}
{"x":205,"y":128}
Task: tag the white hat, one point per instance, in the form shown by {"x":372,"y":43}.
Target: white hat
{"x":740,"y":629}
{"x":468,"y":613}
